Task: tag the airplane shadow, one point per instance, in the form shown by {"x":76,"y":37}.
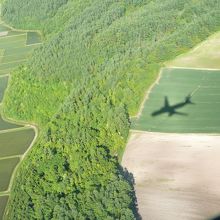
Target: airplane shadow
{"x":172,"y":109}
{"x":215,"y":218}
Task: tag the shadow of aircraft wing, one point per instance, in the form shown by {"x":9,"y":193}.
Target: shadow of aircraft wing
{"x":177,"y":113}
{"x":156,"y":113}
{"x":164,"y":109}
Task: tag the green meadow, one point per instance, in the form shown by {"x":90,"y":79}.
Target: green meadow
{"x":184,"y":100}
{"x":15,"y":139}
{"x":11,"y":147}
{"x":3,"y":203}
{"x":7,"y":167}
{"x":4,"y":125}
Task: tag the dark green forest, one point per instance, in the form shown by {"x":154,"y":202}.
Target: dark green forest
{"x":81,"y":87}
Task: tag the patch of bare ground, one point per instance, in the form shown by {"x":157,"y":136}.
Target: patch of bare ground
{"x":177,"y":176}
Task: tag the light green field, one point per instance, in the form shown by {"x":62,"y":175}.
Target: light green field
{"x":7,"y":167}
{"x":180,"y":116}
{"x":206,"y":55}
{"x":15,"y":49}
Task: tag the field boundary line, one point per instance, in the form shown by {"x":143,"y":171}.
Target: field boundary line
{"x":22,"y":158}
{"x":191,"y":68}
{"x":25,"y":127}
{"x":4,"y":193}
{"x":2,"y":76}
{"x":21,"y":30}
{"x":147,"y":93}
{"x":16,"y":35}
{"x":16,"y":41}
{"x":10,"y":157}
{"x":29,"y":45}
{"x":146,"y":96}
{"x":193,"y":49}
{"x":21,"y":53}
{"x":13,"y":62}
{"x":6,"y":70}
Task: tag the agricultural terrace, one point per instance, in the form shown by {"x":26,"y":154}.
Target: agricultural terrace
{"x":15,"y":139}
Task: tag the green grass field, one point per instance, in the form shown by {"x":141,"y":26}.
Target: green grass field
{"x":33,"y":38}
{"x":202,"y":115}
{"x":3,"y":86}
{"x":3,"y":203}
{"x":10,"y":147}
{"x":15,"y":48}
{"x":4,"y":125}
{"x":7,"y":167}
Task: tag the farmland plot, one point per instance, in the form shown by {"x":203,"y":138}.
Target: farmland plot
{"x":15,"y":138}
{"x":184,"y":100}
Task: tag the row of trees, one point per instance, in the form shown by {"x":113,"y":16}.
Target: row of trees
{"x":81,"y":86}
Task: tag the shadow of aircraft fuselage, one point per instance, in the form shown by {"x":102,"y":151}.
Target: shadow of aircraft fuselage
{"x":216,"y":218}
{"x":171,"y":109}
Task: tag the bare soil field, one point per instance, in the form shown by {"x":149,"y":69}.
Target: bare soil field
{"x":177,"y":175}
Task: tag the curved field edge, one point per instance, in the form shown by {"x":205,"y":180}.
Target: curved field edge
{"x":66,"y":116}
{"x":191,"y":59}
{"x":204,"y":55}
{"x":23,"y":125}
{"x":12,"y":179}
{"x":198,"y":115}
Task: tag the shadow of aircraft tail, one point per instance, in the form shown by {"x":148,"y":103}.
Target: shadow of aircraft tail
{"x":188,"y":100}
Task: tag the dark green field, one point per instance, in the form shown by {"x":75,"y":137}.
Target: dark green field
{"x":3,"y":85}
{"x":17,"y":47}
{"x":10,"y":147}
{"x":197,"y":113}
{"x":3,"y":203}
{"x":7,"y":167}
{"x":7,"y":125}
{"x":33,"y":38}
